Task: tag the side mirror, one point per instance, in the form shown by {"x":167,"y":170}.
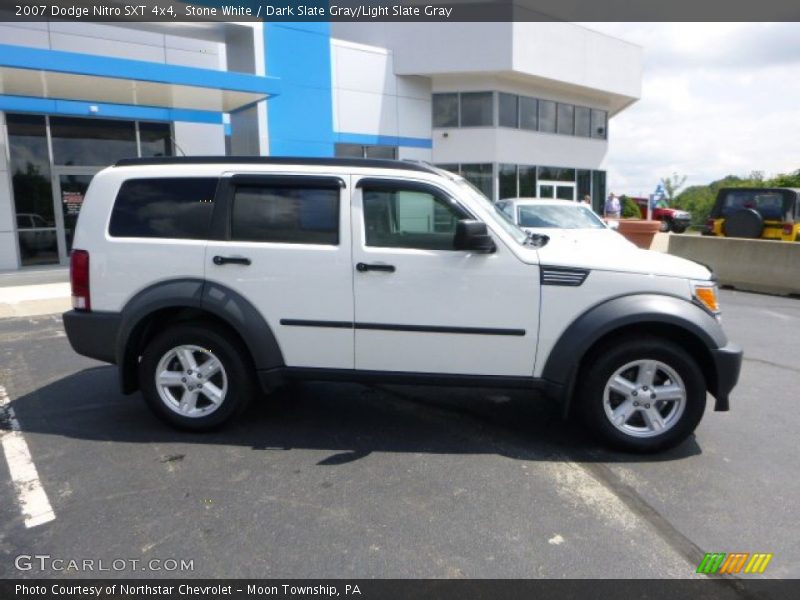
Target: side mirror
{"x":473,"y":236}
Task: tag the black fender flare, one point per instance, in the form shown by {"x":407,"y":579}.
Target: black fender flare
{"x":616,"y":313}
{"x":213,"y":298}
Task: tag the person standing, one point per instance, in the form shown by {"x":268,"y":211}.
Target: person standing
{"x":612,"y":208}
{"x":587,"y":200}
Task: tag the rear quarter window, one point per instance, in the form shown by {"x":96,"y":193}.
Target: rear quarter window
{"x":175,"y":208}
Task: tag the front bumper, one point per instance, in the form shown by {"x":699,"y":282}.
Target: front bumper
{"x":93,"y":334}
{"x":727,"y":365}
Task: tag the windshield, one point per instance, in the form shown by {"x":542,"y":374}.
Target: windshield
{"x":500,"y":217}
{"x":569,"y":216}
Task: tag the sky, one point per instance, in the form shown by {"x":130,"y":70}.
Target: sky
{"x":717,"y":99}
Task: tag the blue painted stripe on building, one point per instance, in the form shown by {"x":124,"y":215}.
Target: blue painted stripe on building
{"x":104,"y":110}
{"x":383,"y":140}
{"x":22,"y":57}
{"x":301,"y":118}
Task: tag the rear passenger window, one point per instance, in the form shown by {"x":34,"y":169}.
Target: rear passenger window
{"x":177,"y":208}
{"x":286,"y":214}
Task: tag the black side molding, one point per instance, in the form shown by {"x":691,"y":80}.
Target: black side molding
{"x":396,"y":327}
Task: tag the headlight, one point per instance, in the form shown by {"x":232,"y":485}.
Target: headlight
{"x":706,"y":294}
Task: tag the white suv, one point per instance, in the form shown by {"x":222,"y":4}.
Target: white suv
{"x":208,"y":280}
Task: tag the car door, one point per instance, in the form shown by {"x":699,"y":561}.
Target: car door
{"x":286,"y":248}
{"x":423,"y":307}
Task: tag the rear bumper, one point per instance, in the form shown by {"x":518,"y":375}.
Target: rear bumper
{"x":93,"y":334}
{"x":727,"y":365}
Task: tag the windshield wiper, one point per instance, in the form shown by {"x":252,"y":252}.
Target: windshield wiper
{"x":537,"y":240}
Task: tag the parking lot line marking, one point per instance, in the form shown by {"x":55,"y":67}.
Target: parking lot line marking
{"x":31,"y":496}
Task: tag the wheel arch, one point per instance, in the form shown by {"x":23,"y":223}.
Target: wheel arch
{"x":166,"y":303}
{"x":669,"y":317}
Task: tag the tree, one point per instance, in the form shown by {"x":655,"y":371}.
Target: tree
{"x":673,"y":184}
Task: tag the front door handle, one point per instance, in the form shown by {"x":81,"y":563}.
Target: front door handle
{"x":231,"y":260}
{"x":364,"y":267}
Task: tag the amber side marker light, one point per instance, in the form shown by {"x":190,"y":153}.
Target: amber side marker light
{"x":707,"y":295}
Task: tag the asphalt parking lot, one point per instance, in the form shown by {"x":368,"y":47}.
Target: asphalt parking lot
{"x":351,"y":481}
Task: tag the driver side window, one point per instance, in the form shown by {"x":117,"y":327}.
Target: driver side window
{"x":397,"y":217}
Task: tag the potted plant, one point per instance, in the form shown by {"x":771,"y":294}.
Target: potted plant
{"x":637,"y":230}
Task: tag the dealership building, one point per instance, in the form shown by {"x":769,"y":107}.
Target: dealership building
{"x":519,"y":109}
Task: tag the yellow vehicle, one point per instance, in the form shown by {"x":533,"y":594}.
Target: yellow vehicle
{"x":758,"y":213}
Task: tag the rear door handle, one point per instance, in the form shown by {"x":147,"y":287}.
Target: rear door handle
{"x":231,"y":260}
{"x":364,"y":267}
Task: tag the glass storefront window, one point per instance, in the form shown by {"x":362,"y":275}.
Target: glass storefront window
{"x":477,"y":109}
{"x":527,"y":181}
{"x":508,"y":110}
{"x":33,"y":193}
{"x":547,"y":116}
{"x":584,"y":183}
{"x":155,"y":139}
{"x":445,"y":110}
{"x":557,"y":174}
{"x":598,"y":189}
{"x":479,"y":175}
{"x":507,"y":181}
{"x":91,"y":142}
{"x":359,"y":151}
{"x":566,"y":119}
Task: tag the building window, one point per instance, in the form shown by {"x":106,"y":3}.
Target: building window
{"x":477,"y":109}
{"x":599,"y":124}
{"x":508,"y":112}
{"x":359,"y":151}
{"x":507,"y":181}
{"x":566,"y":119}
{"x":584,"y":181}
{"x":528,"y":118}
{"x":91,"y":142}
{"x":547,"y":116}
{"x":598,"y":189}
{"x":557,"y":174}
{"x":445,"y":110}
{"x":480,"y":175}
{"x":527,"y":181}
{"x":176,"y":208}
{"x":583,"y":126}
{"x":155,"y":139}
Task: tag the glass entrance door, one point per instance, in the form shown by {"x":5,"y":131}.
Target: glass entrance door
{"x":69,"y":189}
{"x":556,"y":189}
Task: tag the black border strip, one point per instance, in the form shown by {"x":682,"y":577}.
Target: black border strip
{"x":395,"y":327}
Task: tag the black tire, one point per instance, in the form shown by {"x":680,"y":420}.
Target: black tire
{"x":602,"y":364}
{"x":236,"y":367}
{"x":678,"y":228}
{"x":666,"y":226}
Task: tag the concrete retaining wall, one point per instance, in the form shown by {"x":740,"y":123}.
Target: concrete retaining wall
{"x":757,"y":265}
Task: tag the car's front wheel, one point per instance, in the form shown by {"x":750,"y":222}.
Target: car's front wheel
{"x":665,"y":226}
{"x":642,"y":394}
{"x":194,"y":376}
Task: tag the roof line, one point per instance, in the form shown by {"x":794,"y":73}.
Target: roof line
{"x":374,"y":163}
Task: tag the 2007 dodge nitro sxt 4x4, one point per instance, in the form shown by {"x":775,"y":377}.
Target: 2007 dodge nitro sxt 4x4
{"x":207,"y":280}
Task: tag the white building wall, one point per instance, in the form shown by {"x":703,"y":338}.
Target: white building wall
{"x":117,"y":41}
{"x":199,"y":139}
{"x":368,"y":98}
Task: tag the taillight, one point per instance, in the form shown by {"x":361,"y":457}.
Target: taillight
{"x":79,"y":278}
{"x":788,"y":228}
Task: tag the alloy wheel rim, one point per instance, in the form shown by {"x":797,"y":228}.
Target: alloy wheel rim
{"x":191,"y":381}
{"x":644,"y":398}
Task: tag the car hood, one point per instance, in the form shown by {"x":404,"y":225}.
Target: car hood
{"x":582,"y":236}
{"x":614,"y":256}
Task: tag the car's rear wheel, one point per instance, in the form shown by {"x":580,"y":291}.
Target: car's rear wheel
{"x":642,"y":395}
{"x":194,"y":376}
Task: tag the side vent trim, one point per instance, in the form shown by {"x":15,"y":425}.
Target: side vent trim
{"x":566,"y":276}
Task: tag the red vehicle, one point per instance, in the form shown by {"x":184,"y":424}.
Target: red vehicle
{"x":671,"y":219}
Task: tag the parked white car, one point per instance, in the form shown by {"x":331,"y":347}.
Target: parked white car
{"x":209,"y":280}
{"x":562,"y":219}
